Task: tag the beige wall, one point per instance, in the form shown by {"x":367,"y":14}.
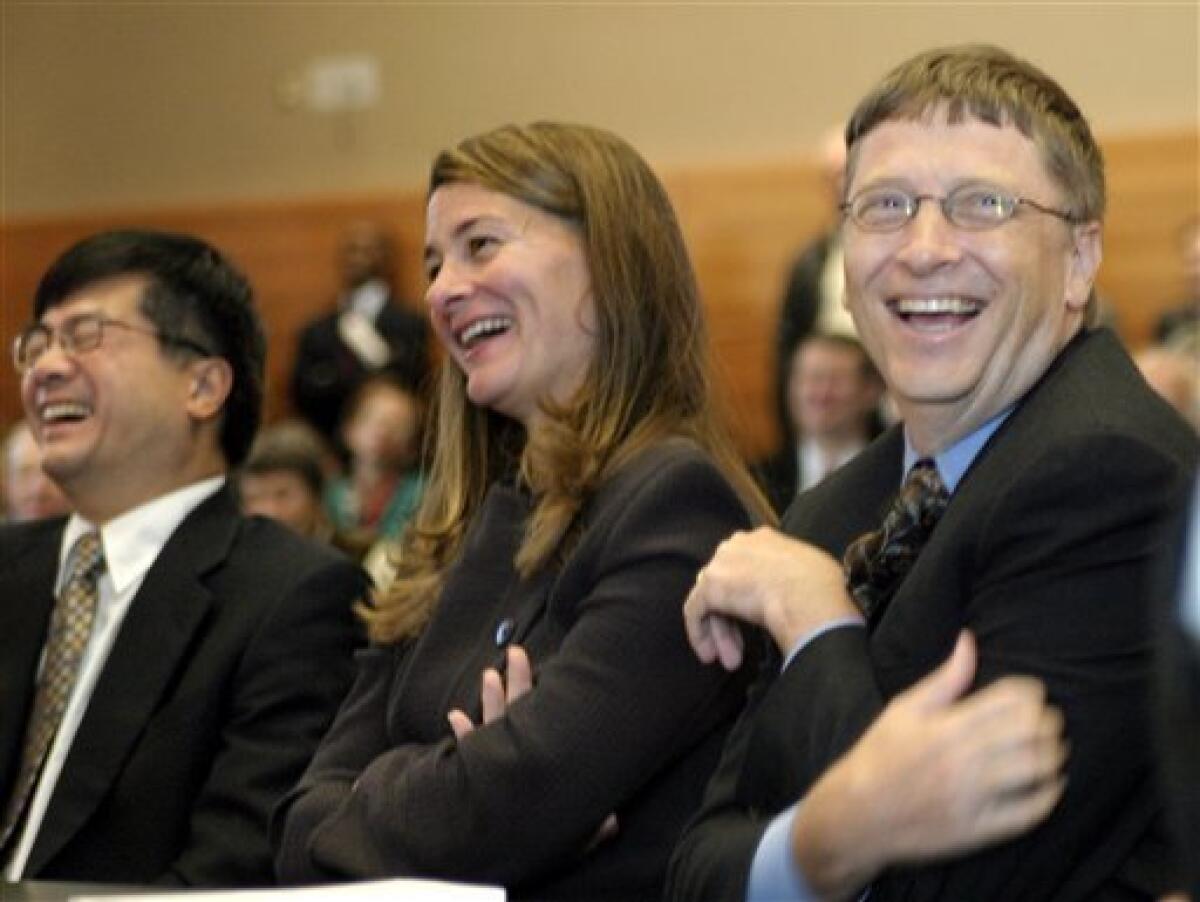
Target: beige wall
{"x":109,"y":105}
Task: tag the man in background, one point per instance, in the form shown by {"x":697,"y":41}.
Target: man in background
{"x":833,"y":396}
{"x":813,"y":299}
{"x":171,"y":664}
{"x":368,"y":332}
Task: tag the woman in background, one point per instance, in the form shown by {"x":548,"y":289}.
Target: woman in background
{"x":530,"y":713}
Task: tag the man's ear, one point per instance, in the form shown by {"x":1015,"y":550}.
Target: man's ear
{"x":1086,"y":251}
{"x":210,"y":385}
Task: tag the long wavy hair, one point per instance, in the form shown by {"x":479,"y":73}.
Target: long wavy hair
{"x":649,"y":378}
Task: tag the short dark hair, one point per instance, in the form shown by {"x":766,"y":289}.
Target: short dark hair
{"x":866,"y":366}
{"x":290,"y":447}
{"x":194,"y":293}
{"x":983,"y":82}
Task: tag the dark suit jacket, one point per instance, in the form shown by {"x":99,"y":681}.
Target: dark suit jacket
{"x":622,"y":717}
{"x":1043,"y":553}
{"x":231,"y":661}
{"x":326,"y":372}
{"x":779,"y":477}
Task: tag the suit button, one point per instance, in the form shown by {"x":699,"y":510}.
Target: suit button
{"x":504,"y":631}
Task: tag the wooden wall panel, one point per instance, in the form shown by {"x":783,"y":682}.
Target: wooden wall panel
{"x":744,"y":223}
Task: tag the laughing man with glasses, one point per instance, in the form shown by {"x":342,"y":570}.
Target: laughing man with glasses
{"x":983,"y":734}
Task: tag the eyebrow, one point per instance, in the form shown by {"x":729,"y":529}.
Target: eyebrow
{"x":465,"y":226}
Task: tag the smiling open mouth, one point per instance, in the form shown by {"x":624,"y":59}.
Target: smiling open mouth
{"x":935,"y":314}
{"x":64,"y":412}
{"x":483,"y":329}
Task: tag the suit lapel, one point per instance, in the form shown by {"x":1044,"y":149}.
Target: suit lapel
{"x":919,"y":628}
{"x":169,"y":608}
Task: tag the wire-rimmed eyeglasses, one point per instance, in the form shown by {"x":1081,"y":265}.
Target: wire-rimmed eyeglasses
{"x":81,"y":333}
{"x":971,"y":207}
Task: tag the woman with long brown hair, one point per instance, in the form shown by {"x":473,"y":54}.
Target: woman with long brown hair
{"x":529,"y":712}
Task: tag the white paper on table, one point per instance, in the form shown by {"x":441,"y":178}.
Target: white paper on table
{"x":404,"y":890}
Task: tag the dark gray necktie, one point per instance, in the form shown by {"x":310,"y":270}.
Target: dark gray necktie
{"x":877,"y":562}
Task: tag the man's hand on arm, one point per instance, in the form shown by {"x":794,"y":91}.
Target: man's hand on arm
{"x":936,"y":774}
{"x":763,"y":577}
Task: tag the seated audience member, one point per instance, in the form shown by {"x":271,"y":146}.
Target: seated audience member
{"x":1038,"y":470}
{"x":284,"y":478}
{"x":833,"y":395}
{"x":383,"y":482}
{"x":29,"y":494}
{"x":531,"y":714}
{"x":1175,"y":374}
{"x":172,"y":664}
{"x":368,"y":332}
{"x":813,"y":297}
{"x":1183,"y":321}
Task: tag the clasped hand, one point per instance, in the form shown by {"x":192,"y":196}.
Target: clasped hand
{"x":768,"y":579}
{"x":496,"y":695}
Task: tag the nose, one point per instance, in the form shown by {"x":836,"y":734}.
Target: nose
{"x":51,"y":362}
{"x":929,"y":241}
{"x":449,"y":285}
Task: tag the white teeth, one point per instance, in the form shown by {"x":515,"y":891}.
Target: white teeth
{"x":489,"y":325}
{"x":64,"y":410}
{"x":936,"y":306}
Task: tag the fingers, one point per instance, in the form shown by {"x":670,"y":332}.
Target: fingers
{"x":459,"y":723}
{"x":727,"y":638}
{"x":1010,"y":815}
{"x":696,"y":623}
{"x":491,"y":695}
{"x":949,"y":681}
{"x":519,"y":672}
{"x":496,"y":693}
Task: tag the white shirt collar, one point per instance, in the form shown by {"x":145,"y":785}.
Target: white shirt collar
{"x":133,"y":540}
{"x":367,"y":299}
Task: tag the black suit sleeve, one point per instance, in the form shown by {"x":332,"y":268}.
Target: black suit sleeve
{"x":1055,"y":589}
{"x":289,"y":682}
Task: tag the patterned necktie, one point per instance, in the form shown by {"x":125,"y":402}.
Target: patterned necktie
{"x":877,"y":562}
{"x":70,"y":628}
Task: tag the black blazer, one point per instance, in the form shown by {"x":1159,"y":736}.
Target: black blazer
{"x":622,"y":717}
{"x":230,"y":663}
{"x":1044,"y":553}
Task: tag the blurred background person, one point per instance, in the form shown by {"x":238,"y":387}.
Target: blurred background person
{"x":369,"y":331}
{"x":816,"y":285}
{"x":833,"y":397}
{"x":284,"y":478}
{"x":1181,"y":324}
{"x":382,"y":483}
{"x":29,"y":494}
{"x":531,"y":714}
{"x":1173,"y":370}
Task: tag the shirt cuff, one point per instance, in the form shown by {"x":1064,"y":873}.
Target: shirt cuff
{"x":806,"y":640}
{"x":773,"y":873}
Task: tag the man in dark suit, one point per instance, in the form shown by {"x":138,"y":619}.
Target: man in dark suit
{"x":813,"y":297}
{"x":833,"y":395}
{"x":156,"y":700}
{"x":368,"y":332}
{"x":972,"y":237}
